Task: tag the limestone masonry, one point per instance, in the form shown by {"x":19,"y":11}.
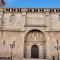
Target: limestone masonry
{"x":30,"y":33}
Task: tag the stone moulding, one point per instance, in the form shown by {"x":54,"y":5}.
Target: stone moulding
{"x":35,"y":26}
{"x":32,"y":10}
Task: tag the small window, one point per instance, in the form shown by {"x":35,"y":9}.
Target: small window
{"x":12,"y":18}
{"x":17,"y":10}
{"x":30,"y":10}
{"x":20,"y":10}
{"x":59,"y":10}
{"x":51,"y":10}
{"x":42,"y":10}
{"x":7,"y":10}
{"x":36,"y":10}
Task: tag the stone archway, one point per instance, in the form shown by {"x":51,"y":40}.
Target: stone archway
{"x":35,"y":37}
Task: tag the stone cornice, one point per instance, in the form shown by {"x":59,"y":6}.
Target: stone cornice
{"x":32,"y":10}
{"x":35,"y":26}
{"x":52,"y":31}
{"x":12,"y":30}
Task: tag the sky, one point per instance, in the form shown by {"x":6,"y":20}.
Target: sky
{"x":32,"y":3}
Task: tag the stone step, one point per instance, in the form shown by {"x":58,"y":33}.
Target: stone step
{"x":29,"y":59}
{"x":23,"y":59}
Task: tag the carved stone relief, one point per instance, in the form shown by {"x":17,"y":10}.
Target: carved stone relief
{"x":35,"y":36}
{"x":36,"y":20}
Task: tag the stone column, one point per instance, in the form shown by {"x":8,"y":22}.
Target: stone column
{"x":28,"y":51}
{"x":48,"y":46}
{"x":41,"y":52}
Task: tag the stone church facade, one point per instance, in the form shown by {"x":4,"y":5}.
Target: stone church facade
{"x":29,"y":33}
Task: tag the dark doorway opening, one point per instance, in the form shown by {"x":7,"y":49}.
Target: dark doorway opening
{"x":34,"y":51}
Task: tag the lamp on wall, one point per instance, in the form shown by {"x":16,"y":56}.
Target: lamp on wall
{"x":12,"y":46}
{"x":57,"y":48}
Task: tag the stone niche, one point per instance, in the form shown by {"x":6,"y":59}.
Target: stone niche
{"x":35,"y":19}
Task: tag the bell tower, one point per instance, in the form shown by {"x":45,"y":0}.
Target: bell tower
{"x":2,"y":3}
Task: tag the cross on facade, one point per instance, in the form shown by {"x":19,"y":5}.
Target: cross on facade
{"x":57,"y":47}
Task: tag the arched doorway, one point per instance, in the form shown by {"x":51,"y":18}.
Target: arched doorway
{"x":34,"y":51}
{"x":35,"y":45}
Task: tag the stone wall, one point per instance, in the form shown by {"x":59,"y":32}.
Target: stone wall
{"x":24,"y":21}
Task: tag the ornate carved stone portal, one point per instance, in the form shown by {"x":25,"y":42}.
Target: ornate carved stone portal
{"x":35,"y":40}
